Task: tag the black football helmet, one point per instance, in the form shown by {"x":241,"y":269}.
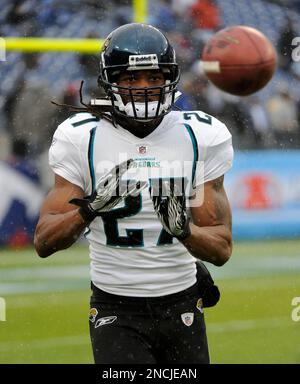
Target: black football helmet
{"x":133,"y":47}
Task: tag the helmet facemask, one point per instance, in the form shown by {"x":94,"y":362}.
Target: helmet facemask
{"x":137,"y":47}
{"x":142,"y":104}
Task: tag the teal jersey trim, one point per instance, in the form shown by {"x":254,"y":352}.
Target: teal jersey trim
{"x":84,"y":122}
{"x":87,"y":232}
{"x":91,"y":167}
{"x":195,"y":149}
{"x":91,"y":157}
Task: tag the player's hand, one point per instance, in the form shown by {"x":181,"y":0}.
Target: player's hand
{"x":171,"y":210}
{"x":108,"y":192}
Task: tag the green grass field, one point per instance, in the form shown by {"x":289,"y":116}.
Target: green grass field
{"x":47,"y":302}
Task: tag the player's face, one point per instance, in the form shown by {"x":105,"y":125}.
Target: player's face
{"x":141,"y":79}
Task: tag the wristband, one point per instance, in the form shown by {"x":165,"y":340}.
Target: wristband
{"x":87,"y":214}
{"x":85,"y":210}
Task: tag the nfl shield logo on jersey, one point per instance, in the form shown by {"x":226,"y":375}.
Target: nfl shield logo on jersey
{"x":142,"y":149}
{"x":187,"y":318}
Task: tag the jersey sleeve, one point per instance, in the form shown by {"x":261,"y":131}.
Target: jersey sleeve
{"x":216,"y":154}
{"x":65,"y":157}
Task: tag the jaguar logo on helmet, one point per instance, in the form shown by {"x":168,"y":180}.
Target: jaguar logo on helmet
{"x":106,"y":44}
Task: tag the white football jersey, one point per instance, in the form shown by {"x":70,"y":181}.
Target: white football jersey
{"x":131,"y":254}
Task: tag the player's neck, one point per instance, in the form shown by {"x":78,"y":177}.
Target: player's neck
{"x":138,"y":129}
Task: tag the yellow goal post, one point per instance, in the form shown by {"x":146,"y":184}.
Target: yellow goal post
{"x":88,"y":46}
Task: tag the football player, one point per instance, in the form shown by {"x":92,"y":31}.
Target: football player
{"x":145,"y":182}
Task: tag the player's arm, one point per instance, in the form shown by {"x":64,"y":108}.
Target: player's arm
{"x":211,"y":237}
{"x":60,"y":223}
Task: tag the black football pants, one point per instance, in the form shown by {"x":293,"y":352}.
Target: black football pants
{"x":134,"y":330}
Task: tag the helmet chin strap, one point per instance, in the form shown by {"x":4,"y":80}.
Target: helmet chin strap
{"x":140,"y":108}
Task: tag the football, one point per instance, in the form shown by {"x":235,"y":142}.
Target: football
{"x":239,"y":60}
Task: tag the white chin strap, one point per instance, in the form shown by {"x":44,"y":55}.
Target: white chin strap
{"x":140,"y":109}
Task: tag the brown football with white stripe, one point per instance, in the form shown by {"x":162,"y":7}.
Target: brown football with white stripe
{"x":239,"y":60}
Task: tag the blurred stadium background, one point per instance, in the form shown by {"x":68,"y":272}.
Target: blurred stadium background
{"x":47,"y":300}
